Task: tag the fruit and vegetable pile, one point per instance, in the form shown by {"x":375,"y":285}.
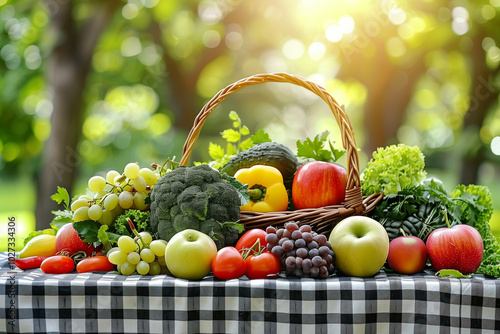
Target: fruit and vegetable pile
{"x":184,"y":221}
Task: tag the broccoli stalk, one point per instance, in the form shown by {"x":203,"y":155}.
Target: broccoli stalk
{"x":196,"y":198}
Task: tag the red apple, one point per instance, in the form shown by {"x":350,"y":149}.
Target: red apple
{"x":319,"y":183}
{"x":459,"y":248}
{"x":67,"y":239}
{"x":407,"y":255}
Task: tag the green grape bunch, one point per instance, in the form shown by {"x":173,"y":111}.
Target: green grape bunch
{"x":139,"y":255}
{"x":115,"y":193}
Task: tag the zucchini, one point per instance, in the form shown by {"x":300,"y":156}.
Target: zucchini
{"x":269,"y":154}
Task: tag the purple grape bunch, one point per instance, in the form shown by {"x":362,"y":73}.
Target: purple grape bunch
{"x":302,"y":252}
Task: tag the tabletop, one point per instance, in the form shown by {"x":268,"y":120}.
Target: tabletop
{"x":34,"y":302}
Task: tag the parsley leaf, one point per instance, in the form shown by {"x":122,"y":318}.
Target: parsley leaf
{"x":260,"y":136}
{"x":314,"y":149}
{"x":61,"y":196}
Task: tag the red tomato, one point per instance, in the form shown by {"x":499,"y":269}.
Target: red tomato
{"x":265,"y":265}
{"x":94,"y":263}
{"x":58,"y":264}
{"x":318,"y":183}
{"x":228,"y":264}
{"x":248,"y":239}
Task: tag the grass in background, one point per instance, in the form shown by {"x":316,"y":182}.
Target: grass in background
{"x":18,"y":201}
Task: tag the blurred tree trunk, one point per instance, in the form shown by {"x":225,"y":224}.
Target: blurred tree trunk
{"x":389,"y":89}
{"x":483,"y":96}
{"x":180,"y":85}
{"x":68,"y":67}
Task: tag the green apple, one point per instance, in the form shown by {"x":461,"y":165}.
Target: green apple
{"x":361,"y":246}
{"x":189,"y":254}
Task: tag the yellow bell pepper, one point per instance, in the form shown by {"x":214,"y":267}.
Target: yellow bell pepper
{"x":266,"y":188}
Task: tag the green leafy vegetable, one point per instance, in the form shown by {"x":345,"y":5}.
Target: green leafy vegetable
{"x":240,"y":187}
{"x":238,"y":139}
{"x":87,"y":230}
{"x":477,"y":207}
{"x":141,"y":220}
{"x":314,"y":149}
{"x":417,"y":210}
{"x":392,"y":169}
{"x":260,"y":136}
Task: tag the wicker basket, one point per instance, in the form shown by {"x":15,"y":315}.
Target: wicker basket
{"x":322,"y":220}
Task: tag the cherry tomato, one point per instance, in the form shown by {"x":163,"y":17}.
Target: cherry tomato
{"x":248,"y":239}
{"x":58,"y":264}
{"x":265,"y":265}
{"x":228,"y":264}
{"x":94,"y":263}
{"x":31,"y":262}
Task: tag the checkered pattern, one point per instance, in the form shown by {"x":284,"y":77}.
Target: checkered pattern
{"x":109,"y":303}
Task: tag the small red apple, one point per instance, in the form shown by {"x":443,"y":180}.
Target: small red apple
{"x":67,"y":239}
{"x":459,"y":248}
{"x":319,"y":183}
{"x":407,"y":255}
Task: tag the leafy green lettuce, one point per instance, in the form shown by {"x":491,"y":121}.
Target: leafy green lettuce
{"x":392,"y":169}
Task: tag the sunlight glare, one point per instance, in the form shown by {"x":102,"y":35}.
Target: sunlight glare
{"x":495,"y":145}
{"x":131,"y":47}
{"x":460,"y":24}
{"x":397,"y":16}
{"x":317,"y":51}
{"x":293,"y":49}
{"x":209,"y":12}
{"x":346,"y":24}
{"x":396,"y":47}
{"x":211,"y":38}
{"x":333,"y":33}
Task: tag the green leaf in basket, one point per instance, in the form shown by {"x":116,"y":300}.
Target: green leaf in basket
{"x":246,"y":144}
{"x":233,"y":115}
{"x":260,"y":136}
{"x":215,"y":151}
{"x":244,"y":130}
{"x":231,"y":135}
{"x":313,"y":149}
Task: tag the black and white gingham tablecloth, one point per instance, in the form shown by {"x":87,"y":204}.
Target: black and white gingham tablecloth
{"x":34,"y":302}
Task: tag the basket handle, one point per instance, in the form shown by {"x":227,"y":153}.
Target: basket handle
{"x":348,"y":140}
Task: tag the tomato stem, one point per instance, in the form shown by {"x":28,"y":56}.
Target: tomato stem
{"x":256,"y":249}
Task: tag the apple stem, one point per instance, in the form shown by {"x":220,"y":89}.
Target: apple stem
{"x":402,"y":232}
{"x":446,"y":217}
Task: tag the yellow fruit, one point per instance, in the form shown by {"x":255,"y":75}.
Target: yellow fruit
{"x":41,"y":245}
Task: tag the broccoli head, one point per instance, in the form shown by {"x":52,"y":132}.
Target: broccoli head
{"x":196,"y":198}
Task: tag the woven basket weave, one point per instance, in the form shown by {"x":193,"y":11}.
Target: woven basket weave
{"x":322,"y":220}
